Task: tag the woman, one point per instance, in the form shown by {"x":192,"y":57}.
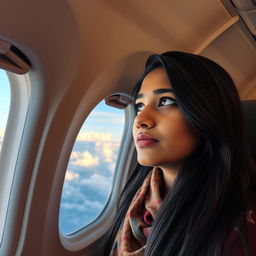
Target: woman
{"x":192,"y":192}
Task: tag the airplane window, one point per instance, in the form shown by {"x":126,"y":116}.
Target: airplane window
{"x":4,"y":103}
{"x":14,"y":99}
{"x":91,"y":167}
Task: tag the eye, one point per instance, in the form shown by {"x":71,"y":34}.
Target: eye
{"x":167,"y":101}
{"x":138,"y":107}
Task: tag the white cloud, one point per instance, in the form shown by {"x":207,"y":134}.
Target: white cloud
{"x":72,"y":192}
{"x":1,"y":134}
{"x":113,"y":120}
{"x":94,"y":136}
{"x":83,"y":207}
{"x":101,"y":182}
{"x":84,"y":159}
{"x":71,"y":176}
{"x":106,"y":114}
{"x":106,"y":117}
{"x":75,"y":198}
{"x":107,"y":151}
{"x":104,"y":156}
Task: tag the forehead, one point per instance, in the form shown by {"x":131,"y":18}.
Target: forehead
{"x":157,"y":78}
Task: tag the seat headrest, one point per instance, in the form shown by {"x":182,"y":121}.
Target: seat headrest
{"x":249,"y":109}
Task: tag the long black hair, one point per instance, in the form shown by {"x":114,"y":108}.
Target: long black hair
{"x":212,"y":190}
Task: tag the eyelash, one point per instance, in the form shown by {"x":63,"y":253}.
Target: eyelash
{"x":139,"y":104}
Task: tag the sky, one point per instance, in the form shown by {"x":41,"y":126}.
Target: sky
{"x":91,"y":165}
{"x":4,"y":101}
{"x":91,"y":168}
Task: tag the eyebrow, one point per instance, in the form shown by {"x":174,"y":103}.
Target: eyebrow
{"x":157,"y":91}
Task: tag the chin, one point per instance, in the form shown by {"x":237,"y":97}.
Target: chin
{"x":148,"y":162}
{"x":144,"y":162}
{"x":158,"y":163}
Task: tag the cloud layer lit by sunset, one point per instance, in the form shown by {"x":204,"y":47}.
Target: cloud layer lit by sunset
{"x":90,"y":171}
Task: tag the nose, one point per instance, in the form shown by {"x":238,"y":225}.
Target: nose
{"x":144,"y":120}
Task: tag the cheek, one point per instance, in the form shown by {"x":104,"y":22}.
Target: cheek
{"x":181,"y":138}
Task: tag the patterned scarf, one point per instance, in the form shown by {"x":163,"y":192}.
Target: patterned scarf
{"x":132,"y":237}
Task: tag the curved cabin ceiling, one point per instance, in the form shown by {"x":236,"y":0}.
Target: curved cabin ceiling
{"x":93,"y":36}
{"x":114,"y":28}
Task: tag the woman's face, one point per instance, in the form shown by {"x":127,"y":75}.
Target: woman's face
{"x":161,"y":134}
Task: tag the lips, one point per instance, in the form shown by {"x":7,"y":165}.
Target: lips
{"x":146,"y":140}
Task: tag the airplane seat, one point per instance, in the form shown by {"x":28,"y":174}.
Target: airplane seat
{"x":249,"y":109}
